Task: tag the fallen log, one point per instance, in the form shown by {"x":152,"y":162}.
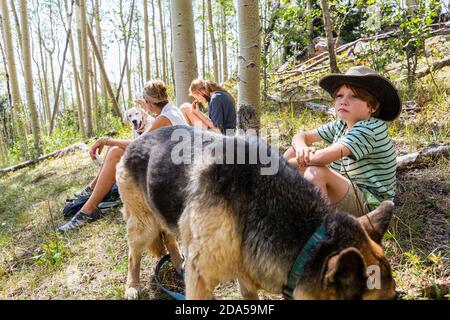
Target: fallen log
{"x":414,"y":159}
{"x":303,"y":102}
{"x":60,"y":153}
{"x":427,"y":70}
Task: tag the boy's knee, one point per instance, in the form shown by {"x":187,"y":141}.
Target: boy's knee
{"x":313,"y":173}
{"x":115,"y":153}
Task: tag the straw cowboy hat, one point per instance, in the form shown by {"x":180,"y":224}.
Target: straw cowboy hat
{"x":379,"y":86}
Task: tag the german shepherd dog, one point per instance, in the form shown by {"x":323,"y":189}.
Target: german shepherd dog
{"x":236,"y":223}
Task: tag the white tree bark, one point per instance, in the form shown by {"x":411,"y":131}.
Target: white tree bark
{"x":28,"y":74}
{"x":85,"y":67}
{"x":185,"y":58}
{"x":9,"y":48}
{"x":224,"y":47}
{"x":154,"y":39}
{"x":163,"y":42}
{"x":213,"y":41}
{"x":249,"y":58}
{"x":147,"y":42}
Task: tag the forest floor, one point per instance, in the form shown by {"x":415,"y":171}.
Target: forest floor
{"x":37,"y":262}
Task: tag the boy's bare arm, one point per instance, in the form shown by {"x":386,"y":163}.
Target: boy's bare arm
{"x":303,"y":139}
{"x":327,"y":155}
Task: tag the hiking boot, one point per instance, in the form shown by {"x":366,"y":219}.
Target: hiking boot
{"x":80,"y":219}
{"x":85,"y":192}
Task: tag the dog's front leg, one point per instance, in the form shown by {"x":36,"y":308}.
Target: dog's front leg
{"x":196,"y":287}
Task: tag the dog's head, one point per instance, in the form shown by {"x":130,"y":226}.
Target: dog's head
{"x":358,"y":269}
{"x":137,"y":117}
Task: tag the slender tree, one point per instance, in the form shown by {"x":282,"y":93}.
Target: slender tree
{"x":127,"y":40}
{"x":116,"y":110}
{"x":28,"y":76}
{"x":224,"y":46}
{"x":172,"y":71}
{"x":60,"y":80}
{"x":76,"y":82}
{"x":249,"y":60}
{"x":154,"y":39}
{"x":213,"y":41}
{"x":85,"y":67}
{"x":147,"y":42}
{"x":11,"y":61}
{"x":184,"y":48}
{"x":163,"y":42}
{"x":98,"y":33}
{"x":329,"y":33}
{"x":203,"y":39}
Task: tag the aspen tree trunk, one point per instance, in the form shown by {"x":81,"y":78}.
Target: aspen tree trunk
{"x":85,"y":67}
{"x":219,"y":57}
{"x":127,"y":44}
{"x":29,"y":76}
{"x":116,"y":110}
{"x":154,"y":40}
{"x":163,"y":43}
{"x":203,"y":39}
{"x":76,"y":83}
{"x":16,"y":19}
{"x":249,"y":60}
{"x":329,"y":33}
{"x":11,"y":61}
{"x":98,"y":32}
{"x":93,"y":82}
{"x":141,"y":61}
{"x":213,"y":41}
{"x":46,"y":97}
{"x":172,"y":71}
{"x":184,"y":48}
{"x":147,"y":42}
{"x":224,"y":47}
{"x":130,"y":93}
{"x":77,"y":87}
{"x":61,"y":76}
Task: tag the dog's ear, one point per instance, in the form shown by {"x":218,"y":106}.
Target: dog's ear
{"x":346,"y":274}
{"x":376,"y":222}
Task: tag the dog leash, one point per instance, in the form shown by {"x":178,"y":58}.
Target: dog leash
{"x":299,"y":266}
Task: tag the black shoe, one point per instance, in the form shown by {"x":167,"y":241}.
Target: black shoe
{"x":80,"y":219}
{"x":85,"y":192}
{"x":111,"y":200}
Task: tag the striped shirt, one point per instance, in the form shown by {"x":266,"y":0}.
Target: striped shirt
{"x":372,"y":163}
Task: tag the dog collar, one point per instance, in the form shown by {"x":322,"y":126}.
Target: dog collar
{"x":300,"y":262}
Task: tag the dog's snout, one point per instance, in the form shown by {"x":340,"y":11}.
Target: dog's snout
{"x":134,"y":121}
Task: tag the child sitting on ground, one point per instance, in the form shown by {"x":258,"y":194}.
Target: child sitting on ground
{"x":358,"y":170}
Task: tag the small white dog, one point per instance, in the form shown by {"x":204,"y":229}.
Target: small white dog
{"x":140,"y":120}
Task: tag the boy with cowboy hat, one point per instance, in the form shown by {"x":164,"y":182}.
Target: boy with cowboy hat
{"x":358,"y":170}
